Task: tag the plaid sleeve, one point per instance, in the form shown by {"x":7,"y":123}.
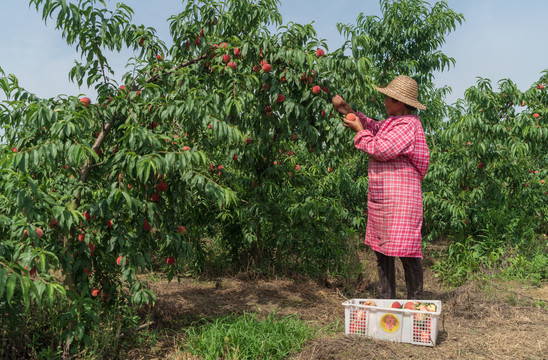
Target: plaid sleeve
{"x":369,"y":123}
{"x":396,"y":139}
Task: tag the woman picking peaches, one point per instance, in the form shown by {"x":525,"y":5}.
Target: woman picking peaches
{"x":398,"y":161}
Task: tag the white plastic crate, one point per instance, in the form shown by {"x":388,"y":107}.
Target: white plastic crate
{"x":386,"y":323}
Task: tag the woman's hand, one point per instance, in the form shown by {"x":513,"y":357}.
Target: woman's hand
{"x":341,"y":105}
{"x":353,"y":122}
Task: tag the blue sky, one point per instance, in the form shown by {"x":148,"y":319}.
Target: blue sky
{"x":499,"y":39}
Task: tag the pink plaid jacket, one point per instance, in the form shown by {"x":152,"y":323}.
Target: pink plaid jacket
{"x":398,"y":162}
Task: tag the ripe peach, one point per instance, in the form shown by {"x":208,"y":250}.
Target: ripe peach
{"x":267,"y":68}
{"x":316,"y":90}
{"x":320,"y":53}
{"x":53,"y":223}
{"x":409,"y":305}
{"x":337,"y":101}
{"x":85,"y":101}
{"x":350,"y":117}
{"x":162,"y":186}
{"x":146,"y":226}
{"x":396,"y":305}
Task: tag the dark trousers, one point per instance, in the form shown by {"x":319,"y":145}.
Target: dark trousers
{"x":412,"y":268}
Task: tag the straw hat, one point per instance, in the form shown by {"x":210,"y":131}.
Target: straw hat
{"x":404,"y":89}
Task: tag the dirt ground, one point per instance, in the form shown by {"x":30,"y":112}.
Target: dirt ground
{"x":494,"y":320}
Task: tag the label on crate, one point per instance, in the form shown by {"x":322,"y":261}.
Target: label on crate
{"x":390,"y":323}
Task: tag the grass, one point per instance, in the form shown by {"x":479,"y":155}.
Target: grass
{"x":248,"y":336}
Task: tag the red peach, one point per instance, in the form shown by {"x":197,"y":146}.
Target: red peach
{"x":350,"y":117}
{"x":409,"y":305}
{"x":396,"y":305}
{"x":146,"y":226}
{"x":85,"y":101}
{"x":53,"y":223}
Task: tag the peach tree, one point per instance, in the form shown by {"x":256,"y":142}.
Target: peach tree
{"x":486,"y":188}
{"x":222,"y":145}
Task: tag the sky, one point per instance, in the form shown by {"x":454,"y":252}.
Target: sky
{"x":499,"y":39}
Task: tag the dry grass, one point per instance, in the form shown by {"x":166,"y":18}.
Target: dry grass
{"x":495,"y":321}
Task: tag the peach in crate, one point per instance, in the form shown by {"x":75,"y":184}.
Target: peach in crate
{"x":409,"y":321}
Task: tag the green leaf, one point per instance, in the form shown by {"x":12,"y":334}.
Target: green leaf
{"x":3,"y":274}
{"x":10,"y":286}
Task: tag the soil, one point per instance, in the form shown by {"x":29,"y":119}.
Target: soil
{"x":491,"y":320}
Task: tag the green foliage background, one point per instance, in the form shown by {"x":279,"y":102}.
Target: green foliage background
{"x":257,"y":183}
